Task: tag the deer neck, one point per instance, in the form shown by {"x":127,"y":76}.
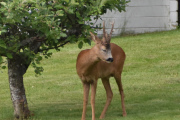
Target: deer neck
{"x":89,"y":61}
{"x":93,"y":59}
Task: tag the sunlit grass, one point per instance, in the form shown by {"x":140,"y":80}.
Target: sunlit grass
{"x":151,"y":80}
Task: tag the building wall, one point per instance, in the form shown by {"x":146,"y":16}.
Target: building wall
{"x":143,"y":16}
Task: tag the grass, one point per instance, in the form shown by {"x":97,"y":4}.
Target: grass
{"x":151,"y":80}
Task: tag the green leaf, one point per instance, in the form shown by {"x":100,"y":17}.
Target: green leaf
{"x":2,"y":44}
{"x":56,"y":41}
{"x":88,"y":41}
{"x":78,"y":15}
{"x":74,"y":3}
{"x":70,"y":11}
{"x":9,"y":55}
{"x":3,"y":31}
{"x":60,"y":13}
{"x":58,"y":6}
{"x":10,"y":16}
{"x":3,"y":3}
{"x":63,"y":35}
{"x":80,"y":45}
{"x":3,"y":67}
{"x":39,"y":58}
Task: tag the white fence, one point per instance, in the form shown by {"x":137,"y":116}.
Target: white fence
{"x":143,"y":16}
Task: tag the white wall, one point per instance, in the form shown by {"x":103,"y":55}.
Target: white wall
{"x":143,"y":16}
{"x":173,"y":14}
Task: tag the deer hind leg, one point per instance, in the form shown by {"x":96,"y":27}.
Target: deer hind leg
{"x":119,"y":83}
{"x":109,"y":95}
{"x":93,"y":94}
{"x":86,"y":87}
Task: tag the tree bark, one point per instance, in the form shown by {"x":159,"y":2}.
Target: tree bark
{"x":16,"y":70}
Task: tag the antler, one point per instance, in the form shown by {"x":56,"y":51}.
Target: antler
{"x":111,"y":30}
{"x":106,"y":37}
{"x":104,"y":31}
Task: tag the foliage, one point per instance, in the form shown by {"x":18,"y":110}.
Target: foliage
{"x":30,"y":28}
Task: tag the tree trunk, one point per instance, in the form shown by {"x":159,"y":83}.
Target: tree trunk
{"x":16,"y":70}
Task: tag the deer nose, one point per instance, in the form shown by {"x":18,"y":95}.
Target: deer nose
{"x":109,"y":60}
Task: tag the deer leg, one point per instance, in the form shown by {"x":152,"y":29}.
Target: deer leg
{"x":86,"y":87}
{"x":93,"y":94}
{"x":119,"y":83}
{"x":109,"y":95}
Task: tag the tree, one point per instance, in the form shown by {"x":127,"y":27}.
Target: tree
{"x":30,"y":28}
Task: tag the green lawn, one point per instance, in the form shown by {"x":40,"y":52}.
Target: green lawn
{"x":151,"y":80}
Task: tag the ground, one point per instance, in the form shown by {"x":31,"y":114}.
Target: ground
{"x":151,"y":80}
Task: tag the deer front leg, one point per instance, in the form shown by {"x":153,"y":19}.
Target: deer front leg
{"x":109,"y":95}
{"x":86,"y":87}
{"x":93,"y":94}
{"x":119,"y":83}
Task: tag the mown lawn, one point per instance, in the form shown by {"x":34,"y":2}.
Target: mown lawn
{"x":151,"y":81}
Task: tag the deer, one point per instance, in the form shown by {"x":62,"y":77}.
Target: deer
{"x":103,"y":60}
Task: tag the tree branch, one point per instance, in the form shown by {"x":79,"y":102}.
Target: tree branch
{"x":61,"y":45}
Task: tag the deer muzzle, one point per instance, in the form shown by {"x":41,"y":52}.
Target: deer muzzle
{"x":109,"y":60}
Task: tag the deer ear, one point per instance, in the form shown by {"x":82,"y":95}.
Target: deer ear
{"x":93,"y":37}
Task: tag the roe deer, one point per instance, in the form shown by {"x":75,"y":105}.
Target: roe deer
{"x":104,"y":60}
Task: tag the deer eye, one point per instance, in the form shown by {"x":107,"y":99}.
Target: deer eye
{"x":104,"y":50}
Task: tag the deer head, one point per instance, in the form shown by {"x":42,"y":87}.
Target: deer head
{"x":102,"y":46}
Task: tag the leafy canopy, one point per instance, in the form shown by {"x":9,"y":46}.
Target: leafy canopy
{"x":30,"y":28}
